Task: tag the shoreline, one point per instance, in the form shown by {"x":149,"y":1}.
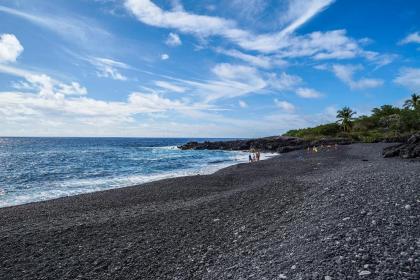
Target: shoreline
{"x":204,"y":170}
{"x":300,"y":216}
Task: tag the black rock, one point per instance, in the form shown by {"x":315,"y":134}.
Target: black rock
{"x":409,"y":149}
{"x":280,"y":144}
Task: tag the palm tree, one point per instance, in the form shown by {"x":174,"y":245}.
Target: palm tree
{"x":414,"y":102}
{"x":345,"y":118}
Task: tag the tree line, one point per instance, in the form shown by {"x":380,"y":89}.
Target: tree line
{"x":384,"y":123}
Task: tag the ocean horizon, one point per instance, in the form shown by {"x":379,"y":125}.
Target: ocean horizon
{"x":41,"y":168}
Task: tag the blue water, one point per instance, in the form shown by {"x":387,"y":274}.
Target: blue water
{"x":35,"y":169}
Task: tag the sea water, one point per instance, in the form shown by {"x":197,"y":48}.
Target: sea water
{"x":35,"y":169}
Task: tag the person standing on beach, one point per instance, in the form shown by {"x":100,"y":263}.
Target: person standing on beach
{"x":258,"y":155}
{"x":250,"y":158}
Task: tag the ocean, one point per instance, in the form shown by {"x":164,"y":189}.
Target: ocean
{"x":36,"y":169}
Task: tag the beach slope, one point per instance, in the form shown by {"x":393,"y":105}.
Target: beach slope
{"x":346,"y":213}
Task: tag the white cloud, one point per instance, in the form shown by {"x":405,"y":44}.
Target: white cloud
{"x":242,"y":104}
{"x":164,"y":56}
{"x":346,"y":72}
{"x":10,"y":48}
{"x":230,"y":81}
{"x":46,"y":98}
{"x":284,"y":105}
{"x":284,"y":81}
{"x":409,"y":77}
{"x":73,"y":88}
{"x":256,"y":60}
{"x":109,"y":68}
{"x":173,"y":40}
{"x":75,"y":29}
{"x":170,"y":86}
{"x":149,"y":13}
{"x":303,"y":10}
{"x":45,"y":85}
{"x":411,"y":38}
{"x":203,"y":26}
{"x":228,"y":71}
{"x":284,"y":43}
{"x":308,"y":93}
{"x":321,"y":67}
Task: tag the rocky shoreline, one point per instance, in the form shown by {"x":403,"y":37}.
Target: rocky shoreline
{"x":279,"y":144}
{"x":409,"y":147}
{"x":345,"y":213}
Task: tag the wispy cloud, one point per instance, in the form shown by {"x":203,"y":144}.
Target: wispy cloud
{"x":170,"y":86}
{"x":242,"y":104}
{"x":173,"y":40}
{"x":257,"y":60}
{"x":302,"y":11}
{"x":308,"y":93}
{"x":411,"y":38}
{"x":109,"y":68}
{"x":284,"y":81}
{"x":409,"y":77}
{"x":45,"y":85}
{"x":203,"y":26}
{"x":284,"y":105}
{"x":346,"y":74}
{"x":78,"y":30}
{"x":327,"y":45}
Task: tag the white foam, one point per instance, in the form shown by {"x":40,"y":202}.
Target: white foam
{"x":80,"y":186}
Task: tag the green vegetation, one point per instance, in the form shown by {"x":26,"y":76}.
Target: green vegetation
{"x":386,"y":122}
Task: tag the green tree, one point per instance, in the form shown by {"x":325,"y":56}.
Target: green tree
{"x":413,"y":102}
{"x":384,"y":111}
{"x":345,"y":118}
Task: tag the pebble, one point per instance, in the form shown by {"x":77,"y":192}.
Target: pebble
{"x":327,"y":278}
{"x":364,"y":272}
{"x":407,"y":207}
{"x":293,"y":267}
{"x":282,"y":276}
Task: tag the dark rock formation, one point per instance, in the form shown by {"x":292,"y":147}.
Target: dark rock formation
{"x":280,"y":144}
{"x":409,"y":149}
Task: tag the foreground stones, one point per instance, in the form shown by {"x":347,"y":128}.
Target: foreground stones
{"x":410,"y":149}
{"x":324,"y":216}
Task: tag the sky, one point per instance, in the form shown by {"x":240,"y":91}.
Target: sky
{"x":184,"y":68}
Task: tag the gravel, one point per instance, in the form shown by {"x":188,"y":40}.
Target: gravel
{"x":337,"y":214}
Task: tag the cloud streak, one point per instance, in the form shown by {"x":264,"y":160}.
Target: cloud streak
{"x":109,"y":68}
{"x":79,"y":30}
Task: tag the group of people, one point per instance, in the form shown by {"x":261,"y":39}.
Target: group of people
{"x":254,"y":155}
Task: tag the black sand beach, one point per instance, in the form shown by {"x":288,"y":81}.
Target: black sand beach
{"x":338,"y":214}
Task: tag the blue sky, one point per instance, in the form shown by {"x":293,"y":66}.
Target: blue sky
{"x":174,"y":68}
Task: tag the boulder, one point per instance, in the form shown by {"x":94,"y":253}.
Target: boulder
{"x":409,"y":149}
